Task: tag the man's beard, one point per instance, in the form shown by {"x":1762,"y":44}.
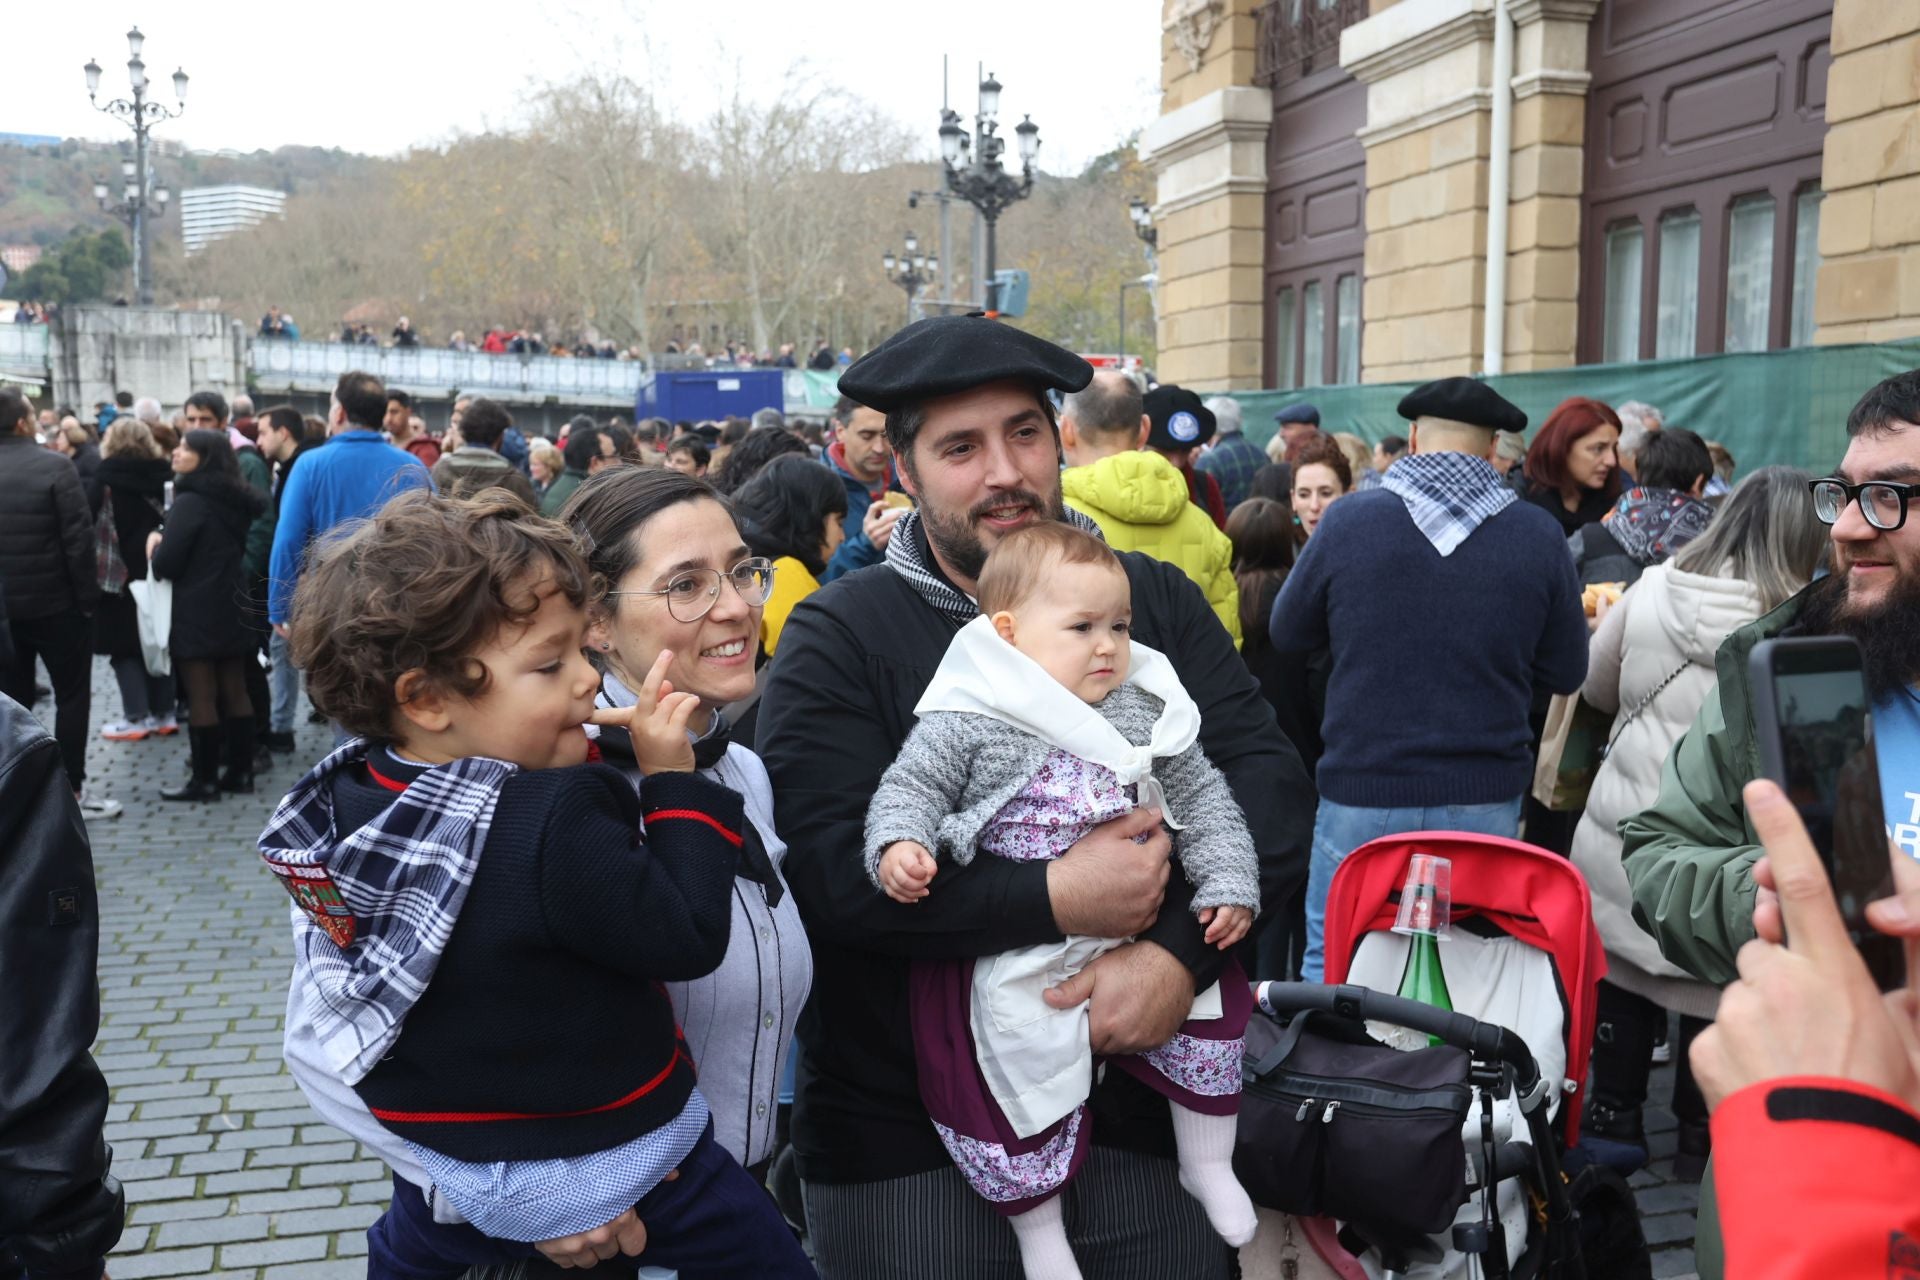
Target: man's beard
{"x":1888,"y":633}
{"x":954,"y":539}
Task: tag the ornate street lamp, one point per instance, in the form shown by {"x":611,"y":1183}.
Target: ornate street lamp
{"x":912,"y":271}
{"x":142,"y":194}
{"x":978,"y":176}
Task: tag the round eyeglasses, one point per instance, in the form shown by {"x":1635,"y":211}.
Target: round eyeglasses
{"x":1882,"y":502}
{"x":691,"y":593}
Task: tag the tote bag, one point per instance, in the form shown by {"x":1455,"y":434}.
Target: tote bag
{"x":153,"y":605}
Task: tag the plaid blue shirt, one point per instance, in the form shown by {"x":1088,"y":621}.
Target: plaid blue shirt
{"x":1233,"y":462}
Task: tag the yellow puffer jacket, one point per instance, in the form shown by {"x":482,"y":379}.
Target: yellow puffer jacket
{"x":1140,"y":502}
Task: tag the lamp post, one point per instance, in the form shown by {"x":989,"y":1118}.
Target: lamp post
{"x":141,"y":194}
{"x":912,"y":271}
{"x":977,"y":175}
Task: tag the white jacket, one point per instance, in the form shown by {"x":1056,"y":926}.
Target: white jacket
{"x":1668,"y":621}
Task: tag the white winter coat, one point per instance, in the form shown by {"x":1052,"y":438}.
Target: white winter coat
{"x":1668,"y":621}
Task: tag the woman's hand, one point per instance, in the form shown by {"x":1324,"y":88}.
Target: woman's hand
{"x":905,"y":870}
{"x":1226,"y":925}
{"x":153,"y":543}
{"x":657,"y":722}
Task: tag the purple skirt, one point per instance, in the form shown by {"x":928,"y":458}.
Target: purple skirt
{"x":1199,"y":1069}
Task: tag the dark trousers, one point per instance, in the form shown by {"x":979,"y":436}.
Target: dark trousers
{"x":713,"y":1222}
{"x":1623,"y":1036}
{"x":1126,"y":1214}
{"x":65,"y":643}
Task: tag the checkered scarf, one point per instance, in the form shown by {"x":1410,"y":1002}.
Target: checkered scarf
{"x":903,"y":557}
{"x":373,"y":910}
{"x":1447,"y":494}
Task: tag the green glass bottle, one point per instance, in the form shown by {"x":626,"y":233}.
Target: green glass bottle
{"x":1424,"y":979}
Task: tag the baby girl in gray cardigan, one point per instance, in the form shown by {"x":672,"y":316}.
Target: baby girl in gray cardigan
{"x":1043,"y":721}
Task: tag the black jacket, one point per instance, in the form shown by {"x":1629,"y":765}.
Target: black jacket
{"x":854,"y":659}
{"x":139,"y":487}
{"x":547,"y":1003}
{"x":202,"y":552}
{"x":1294,"y":684}
{"x":60,"y":1210}
{"x":1593,"y":508}
{"x":281,"y":470}
{"x":46,"y":533}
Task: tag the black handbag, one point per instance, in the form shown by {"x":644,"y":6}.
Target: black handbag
{"x":1335,"y":1124}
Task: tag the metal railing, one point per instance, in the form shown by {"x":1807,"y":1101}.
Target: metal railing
{"x":316,"y":366}
{"x":1300,"y":37}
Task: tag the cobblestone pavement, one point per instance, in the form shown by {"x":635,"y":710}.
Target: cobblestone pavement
{"x":228,"y":1172}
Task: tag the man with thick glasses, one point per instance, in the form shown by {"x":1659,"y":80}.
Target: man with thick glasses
{"x":969,"y":422}
{"x":1690,"y":857}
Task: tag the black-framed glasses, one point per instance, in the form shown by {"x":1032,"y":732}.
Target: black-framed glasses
{"x":1882,"y":502}
{"x":691,"y":593}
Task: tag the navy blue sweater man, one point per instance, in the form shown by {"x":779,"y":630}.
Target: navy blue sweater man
{"x":1443,"y":603}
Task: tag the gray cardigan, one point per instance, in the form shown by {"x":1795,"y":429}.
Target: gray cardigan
{"x":957,"y":769}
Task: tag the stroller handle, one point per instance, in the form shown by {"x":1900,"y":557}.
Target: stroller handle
{"x":1486,"y":1041}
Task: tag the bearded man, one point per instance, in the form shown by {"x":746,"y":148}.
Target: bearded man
{"x":1690,"y":858}
{"x":969,"y":422}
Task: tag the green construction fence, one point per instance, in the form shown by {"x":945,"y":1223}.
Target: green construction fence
{"x":1766,"y":407}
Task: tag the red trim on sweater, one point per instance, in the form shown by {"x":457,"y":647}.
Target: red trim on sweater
{"x":481,"y":1117}
{"x":695,"y":815}
{"x":391,"y":784}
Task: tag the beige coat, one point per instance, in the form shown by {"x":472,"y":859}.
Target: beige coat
{"x":1668,"y":621}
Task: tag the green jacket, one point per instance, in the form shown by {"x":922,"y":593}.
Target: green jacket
{"x":255,"y":471}
{"x":1689,"y":858}
{"x":559,"y":491}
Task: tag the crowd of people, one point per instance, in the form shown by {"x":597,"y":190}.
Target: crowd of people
{"x":819,"y":803}
{"x":523,"y":340}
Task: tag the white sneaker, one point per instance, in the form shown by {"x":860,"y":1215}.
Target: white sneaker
{"x":163,"y":725}
{"x":95,"y":806}
{"x":126,"y":730}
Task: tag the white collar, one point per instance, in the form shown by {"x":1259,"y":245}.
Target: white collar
{"x":982,"y":674}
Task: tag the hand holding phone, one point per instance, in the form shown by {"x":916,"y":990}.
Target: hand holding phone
{"x":1814,"y":722}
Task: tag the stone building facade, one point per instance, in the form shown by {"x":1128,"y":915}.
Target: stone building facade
{"x":1682,"y":177}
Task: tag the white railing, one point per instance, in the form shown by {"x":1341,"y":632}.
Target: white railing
{"x":23,"y":348}
{"x":316,"y":366}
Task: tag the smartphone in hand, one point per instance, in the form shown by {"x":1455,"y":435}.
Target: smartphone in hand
{"x":1814,"y":721}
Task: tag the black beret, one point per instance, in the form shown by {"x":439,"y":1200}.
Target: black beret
{"x":943,"y":355}
{"x":1299,"y":411}
{"x":1180,"y":420}
{"x":1467,"y":400}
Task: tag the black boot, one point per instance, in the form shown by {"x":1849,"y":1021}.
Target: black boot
{"x":238,"y":777}
{"x":203,"y":745}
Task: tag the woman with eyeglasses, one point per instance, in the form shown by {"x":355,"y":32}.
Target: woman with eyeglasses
{"x":792,"y":512}
{"x":680,"y":577}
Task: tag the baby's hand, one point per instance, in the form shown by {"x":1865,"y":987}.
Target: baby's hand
{"x":657,"y":722}
{"x":1226,"y":925}
{"x":905,"y":870}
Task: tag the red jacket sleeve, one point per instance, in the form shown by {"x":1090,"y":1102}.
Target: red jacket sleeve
{"x":1818,"y":1178}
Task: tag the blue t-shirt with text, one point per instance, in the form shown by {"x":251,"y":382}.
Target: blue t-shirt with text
{"x":1896,"y":730}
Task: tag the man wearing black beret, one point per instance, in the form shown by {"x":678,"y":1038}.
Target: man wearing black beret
{"x":973,"y":430}
{"x":1444,"y":603}
{"x":1298,"y":422}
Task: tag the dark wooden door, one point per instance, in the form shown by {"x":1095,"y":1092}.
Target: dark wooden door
{"x":1702,"y":115}
{"x":1316,"y":194}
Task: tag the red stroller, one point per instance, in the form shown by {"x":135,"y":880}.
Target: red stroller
{"x":1522,"y":965}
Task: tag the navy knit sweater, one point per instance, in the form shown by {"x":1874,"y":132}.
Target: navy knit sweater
{"x":1435,"y":658}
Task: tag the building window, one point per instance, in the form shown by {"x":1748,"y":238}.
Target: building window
{"x":1346,"y":336}
{"x":1284,"y":372}
{"x":1313,"y":334}
{"x":1806,"y":265}
{"x":1624,"y":250}
{"x":1677,"y":303}
{"x":1749,"y":272}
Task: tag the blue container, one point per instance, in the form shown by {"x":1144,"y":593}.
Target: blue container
{"x":697,"y":394}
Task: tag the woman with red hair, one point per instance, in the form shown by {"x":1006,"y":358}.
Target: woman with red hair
{"x":1572,"y":470}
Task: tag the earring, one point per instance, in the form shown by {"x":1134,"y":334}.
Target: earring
{"x":606,"y":646}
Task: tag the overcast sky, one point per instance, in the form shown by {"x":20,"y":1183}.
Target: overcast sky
{"x":380,"y":77}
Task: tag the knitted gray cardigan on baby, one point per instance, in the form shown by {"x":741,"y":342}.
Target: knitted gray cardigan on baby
{"x":956,"y":770}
